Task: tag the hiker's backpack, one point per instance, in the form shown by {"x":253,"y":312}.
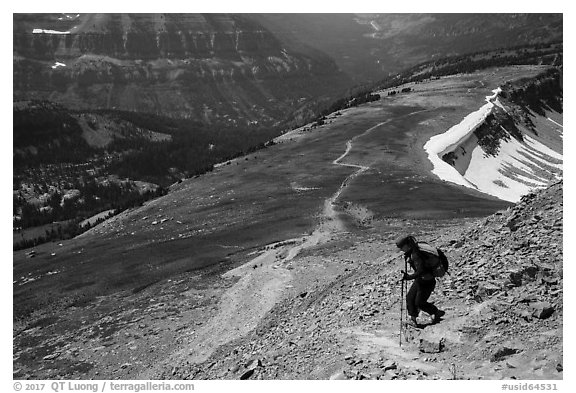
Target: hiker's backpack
{"x":434,"y":259}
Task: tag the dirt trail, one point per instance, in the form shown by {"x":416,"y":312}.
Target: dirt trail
{"x":329,"y":210}
{"x":262,"y":282}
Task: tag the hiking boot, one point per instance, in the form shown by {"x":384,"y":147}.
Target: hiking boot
{"x":412,"y":322}
{"x":439,"y":314}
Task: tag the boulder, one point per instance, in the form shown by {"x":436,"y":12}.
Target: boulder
{"x":487,"y":289}
{"x":376,"y":374}
{"x":542,"y":310}
{"x":254,"y":363}
{"x":549,"y":280}
{"x":529,"y":271}
{"x":516,"y":277}
{"x":389,"y":365}
{"x":247,"y":374}
{"x":505,"y":350}
{"x":429,"y":345}
{"x":52,"y":356}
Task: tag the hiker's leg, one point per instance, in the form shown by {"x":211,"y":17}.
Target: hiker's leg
{"x":411,"y":300}
{"x":426,"y":288}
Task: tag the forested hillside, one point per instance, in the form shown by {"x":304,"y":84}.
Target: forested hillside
{"x":62,"y":175}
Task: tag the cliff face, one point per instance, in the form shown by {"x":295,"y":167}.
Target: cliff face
{"x":217,"y":68}
{"x":140,"y":36}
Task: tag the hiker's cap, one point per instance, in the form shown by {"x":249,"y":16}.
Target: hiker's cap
{"x":401,"y":240}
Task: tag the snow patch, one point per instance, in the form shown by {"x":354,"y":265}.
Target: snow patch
{"x":519,"y":166}
{"x":539,"y":147}
{"x":558,"y":124}
{"x":58,"y":64}
{"x":438,"y":145}
{"x":492,"y":175}
{"x":560,"y":130}
{"x":43,"y":31}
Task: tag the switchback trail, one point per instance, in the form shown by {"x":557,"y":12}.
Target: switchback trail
{"x":262,"y":280}
{"x":329,"y":210}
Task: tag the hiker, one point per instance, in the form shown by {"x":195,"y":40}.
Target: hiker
{"x":424,"y":280}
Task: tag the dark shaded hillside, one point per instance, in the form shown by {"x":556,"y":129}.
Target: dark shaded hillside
{"x":45,"y":132}
{"x":338,"y":35}
{"x":412,"y":38}
{"x":102,"y":159}
{"x":540,"y":94}
{"x":48,"y":133}
{"x":147,"y":36}
{"x":370,"y":46}
{"x":242,"y":69}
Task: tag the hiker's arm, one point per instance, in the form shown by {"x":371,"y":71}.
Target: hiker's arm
{"x":418,"y":268}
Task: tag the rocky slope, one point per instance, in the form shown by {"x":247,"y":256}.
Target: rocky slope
{"x":503,"y":303}
{"x":212,"y":67}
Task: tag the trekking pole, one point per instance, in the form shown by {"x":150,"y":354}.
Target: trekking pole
{"x":401,"y":309}
{"x":406,"y":292}
{"x":403,"y":283}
